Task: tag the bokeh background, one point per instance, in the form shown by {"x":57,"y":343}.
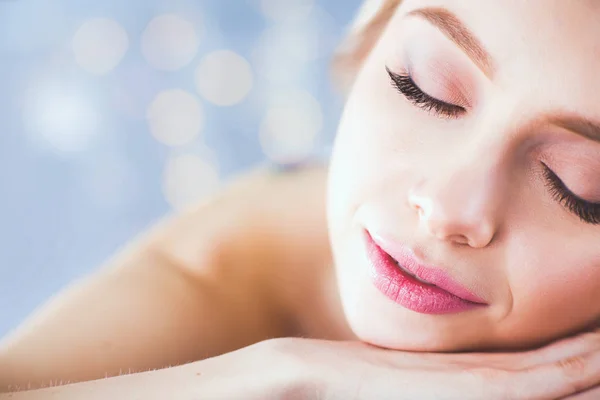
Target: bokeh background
{"x":114,"y":113}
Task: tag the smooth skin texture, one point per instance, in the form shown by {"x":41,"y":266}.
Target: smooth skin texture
{"x":198,"y":285}
{"x":465,"y":184}
{"x":468,"y":192}
{"x":288,"y":367}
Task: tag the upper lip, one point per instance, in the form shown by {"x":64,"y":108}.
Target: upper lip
{"x":434,"y":275}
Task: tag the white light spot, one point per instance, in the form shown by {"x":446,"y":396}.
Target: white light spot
{"x":285,"y":10}
{"x":175,"y":117}
{"x":61,"y":117}
{"x":224,"y":78}
{"x":99,"y":45}
{"x":188,"y":179}
{"x":299,"y":43}
{"x":169,"y":42}
{"x":286,"y":53}
{"x":278,"y":69}
{"x":290,"y":127}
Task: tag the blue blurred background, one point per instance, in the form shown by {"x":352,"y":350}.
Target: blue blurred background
{"x":114,"y":113}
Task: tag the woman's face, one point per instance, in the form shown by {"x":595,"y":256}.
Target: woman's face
{"x":474,"y":165}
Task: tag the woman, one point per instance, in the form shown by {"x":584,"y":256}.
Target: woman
{"x":463,"y":214}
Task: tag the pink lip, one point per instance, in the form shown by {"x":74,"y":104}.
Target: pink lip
{"x":442,"y":295}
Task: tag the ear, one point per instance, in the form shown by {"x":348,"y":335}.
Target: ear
{"x":364,"y":33}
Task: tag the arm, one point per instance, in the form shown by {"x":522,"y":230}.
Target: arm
{"x":247,"y":373}
{"x":309,"y":369}
{"x":193,"y":288}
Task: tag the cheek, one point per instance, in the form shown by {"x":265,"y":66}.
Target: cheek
{"x":376,"y":143}
{"x":556,"y":282}
{"x":379,"y":127}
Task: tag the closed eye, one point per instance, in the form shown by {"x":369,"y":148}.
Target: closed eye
{"x":405,"y":84}
{"x":587,"y":212}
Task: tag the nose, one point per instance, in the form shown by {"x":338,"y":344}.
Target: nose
{"x":462,"y":205}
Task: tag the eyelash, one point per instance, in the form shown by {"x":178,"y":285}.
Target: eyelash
{"x":407,"y":87}
{"x":586,"y":211}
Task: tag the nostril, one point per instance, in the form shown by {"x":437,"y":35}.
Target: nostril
{"x":459,"y":239}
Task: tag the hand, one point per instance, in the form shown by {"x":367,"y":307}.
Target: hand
{"x":316,"y":369}
{"x":592,"y":394}
{"x":349,"y":370}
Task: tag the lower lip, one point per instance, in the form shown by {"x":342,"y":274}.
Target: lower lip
{"x":409,"y":292}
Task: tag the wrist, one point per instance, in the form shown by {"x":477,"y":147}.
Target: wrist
{"x":285,"y":366}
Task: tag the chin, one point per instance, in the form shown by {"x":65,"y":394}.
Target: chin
{"x":375,"y":319}
{"x":381,"y":323}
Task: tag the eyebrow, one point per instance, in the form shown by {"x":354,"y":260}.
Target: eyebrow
{"x":581,"y":126}
{"x":455,"y":30}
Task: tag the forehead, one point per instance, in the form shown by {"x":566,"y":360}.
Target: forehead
{"x":551,"y":43}
{"x":534,"y":24}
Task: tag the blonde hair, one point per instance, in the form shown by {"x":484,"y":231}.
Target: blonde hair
{"x":364,"y":32}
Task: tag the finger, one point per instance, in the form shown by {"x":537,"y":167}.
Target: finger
{"x":559,"y":379}
{"x":592,"y":394}
{"x":563,"y":349}
{"x":554,"y":352}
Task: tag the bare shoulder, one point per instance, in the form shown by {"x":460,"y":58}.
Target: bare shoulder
{"x":265,"y":233}
{"x":205,"y":281}
{"x":254,"y":212}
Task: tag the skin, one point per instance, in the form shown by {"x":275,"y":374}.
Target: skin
{"x":231,"y":274}
{"x":468,"y":195}
{"x":163,"y":302}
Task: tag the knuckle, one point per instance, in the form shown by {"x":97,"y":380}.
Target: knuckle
{"x":573,"y":370}
{"x":573,"y":367}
